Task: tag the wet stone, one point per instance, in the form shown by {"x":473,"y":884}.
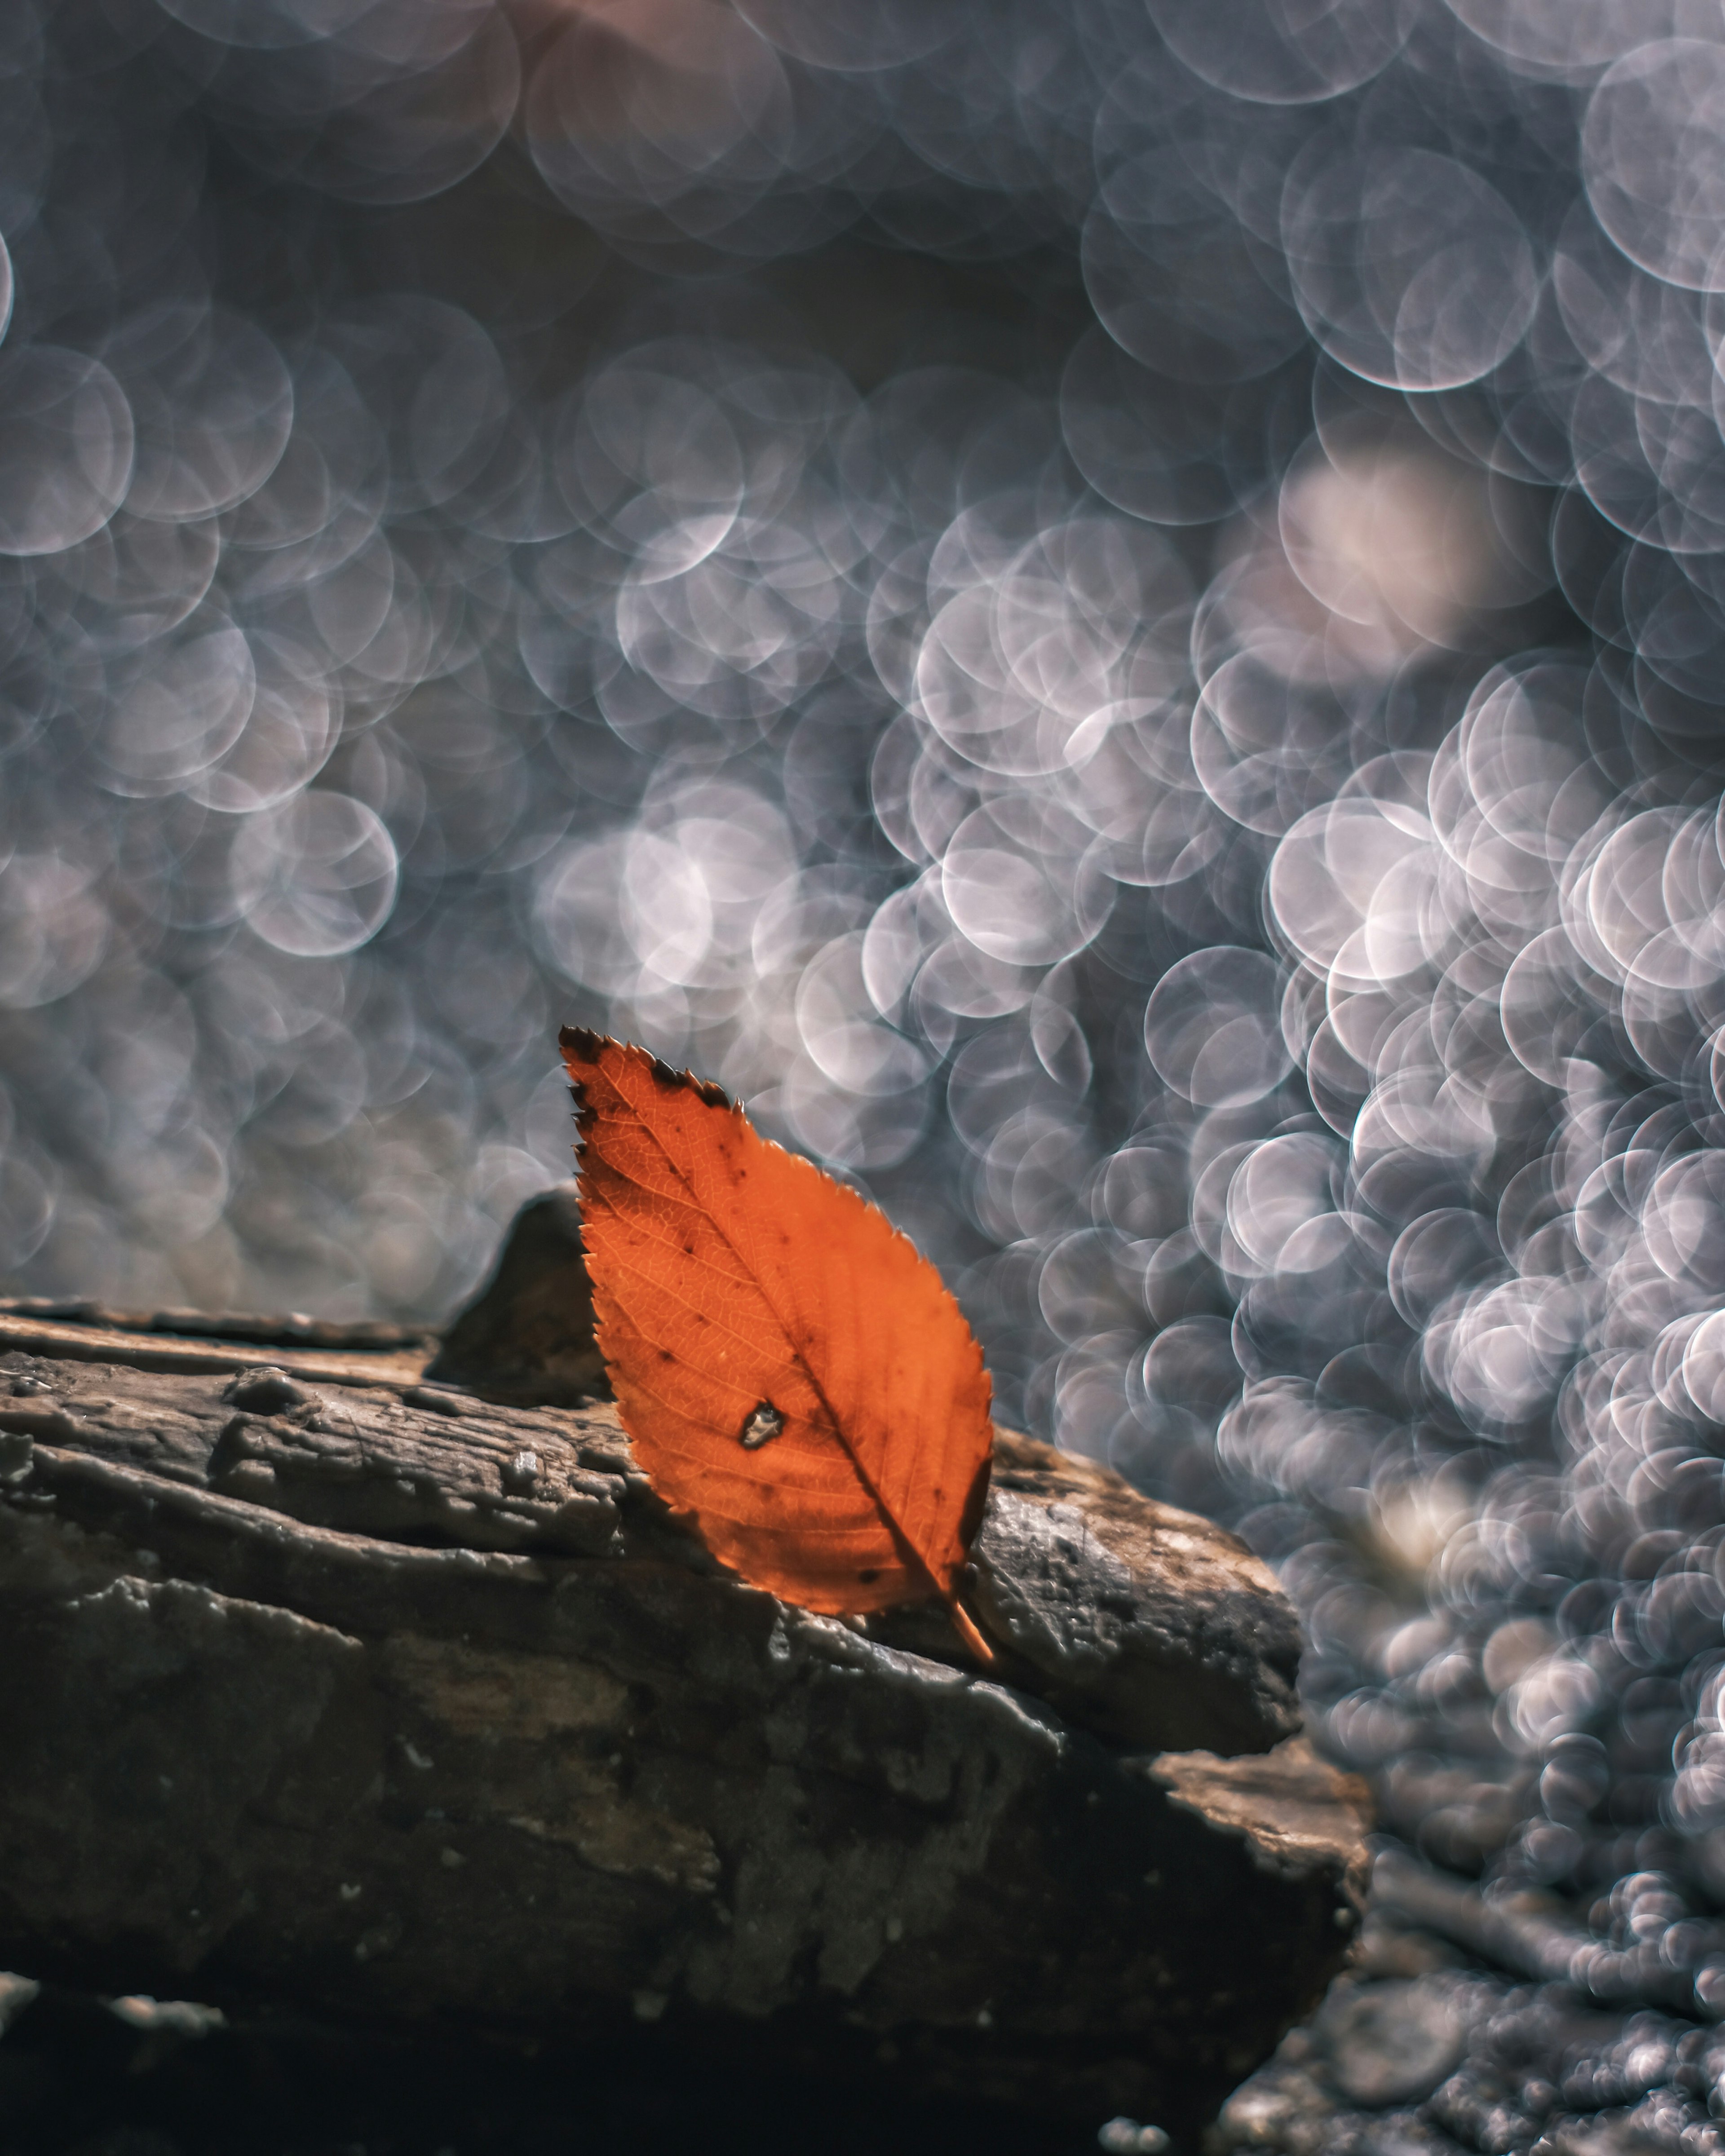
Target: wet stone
{"x":1392,"y":2043}
{"x":1482,"y":2110}
{"x":1125,"y":2137}
{"x":1448,"y":2059}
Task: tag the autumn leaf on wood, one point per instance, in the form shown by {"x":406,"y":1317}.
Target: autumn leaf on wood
{"x":795,"y":1376}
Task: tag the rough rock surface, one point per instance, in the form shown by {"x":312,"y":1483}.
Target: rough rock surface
{"x":1153,"y":1626}
{"x":1412,"y":2055}
{"x":329,"y":1683}
{"x":1422,"y":2049}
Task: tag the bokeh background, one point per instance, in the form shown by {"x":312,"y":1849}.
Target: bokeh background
{"x":1111,"y":610}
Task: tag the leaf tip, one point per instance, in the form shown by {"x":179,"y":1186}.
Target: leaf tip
{"x":579,"y":1043}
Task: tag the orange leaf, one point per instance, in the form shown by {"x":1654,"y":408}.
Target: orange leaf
{"x":795,"y":1376}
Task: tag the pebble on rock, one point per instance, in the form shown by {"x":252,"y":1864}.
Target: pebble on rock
{"x":1125,"y":2137}
{"x":1392,"y":2043}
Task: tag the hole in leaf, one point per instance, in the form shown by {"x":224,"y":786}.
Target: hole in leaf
{"x":765,"y":1422}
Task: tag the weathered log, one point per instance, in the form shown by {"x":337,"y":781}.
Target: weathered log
{"x":327,"y":1683}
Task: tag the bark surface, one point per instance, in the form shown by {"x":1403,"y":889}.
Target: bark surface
{"x":329,"y":1683}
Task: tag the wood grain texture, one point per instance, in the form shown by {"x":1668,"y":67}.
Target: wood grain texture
{"x":405,"y":1706}
{"x":385,"y":1699}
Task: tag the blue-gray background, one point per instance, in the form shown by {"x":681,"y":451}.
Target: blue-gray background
{"x":1112,"y":612}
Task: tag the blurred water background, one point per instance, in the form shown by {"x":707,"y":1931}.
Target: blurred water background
{"x":1112,"y":610}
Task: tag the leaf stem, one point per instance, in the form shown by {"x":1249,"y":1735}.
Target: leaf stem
{"x":965,"y":1626}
